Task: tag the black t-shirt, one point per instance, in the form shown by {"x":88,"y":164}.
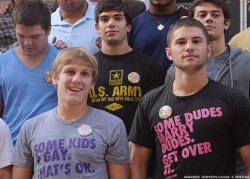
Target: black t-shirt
{"x":200,"y":137}
{"x":123,"y":80}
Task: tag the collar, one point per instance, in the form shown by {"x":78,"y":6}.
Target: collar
{"x":56,"y":18}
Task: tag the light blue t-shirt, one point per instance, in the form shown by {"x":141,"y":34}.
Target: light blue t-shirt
{"x":25,"y":91}
{"x":81,"y":34}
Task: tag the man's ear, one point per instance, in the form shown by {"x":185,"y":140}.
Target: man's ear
{"x":226,"y":24}
{"x":97,"y":28}
{"x":49,"y":30}
{"x":129,"y":26}
{"x":168,"y":53}
{"x":54,"y":80}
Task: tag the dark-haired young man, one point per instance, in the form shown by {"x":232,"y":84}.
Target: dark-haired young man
{"x":227,"y":65}
{"x":195,"y":124}
{"x":25,"y":84}
{"x":125,"y":74}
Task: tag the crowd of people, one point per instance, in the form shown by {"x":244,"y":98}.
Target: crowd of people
{"x":110,"y":89}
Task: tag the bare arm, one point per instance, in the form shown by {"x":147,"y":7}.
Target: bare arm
{"x":245,"y":156}
{"x":139,"y":157}
{"x":117,"y":171}
{"x":5,"y":173}
{"x":22,"y":172}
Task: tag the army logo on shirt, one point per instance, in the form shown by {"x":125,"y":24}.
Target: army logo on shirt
{"x":114,"y":106}
{"x":115,"y":77}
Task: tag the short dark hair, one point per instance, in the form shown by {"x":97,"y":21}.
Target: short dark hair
{"x":110,"y":5}
{"x":186,"y":22}
{"x":220,"y":3}
{"x":30,"y":13}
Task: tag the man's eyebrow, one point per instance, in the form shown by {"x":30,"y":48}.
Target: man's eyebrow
{"x":119,"y":14}
{"x":204,"y":11}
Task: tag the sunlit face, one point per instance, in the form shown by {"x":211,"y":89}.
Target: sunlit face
{"x":32,"y":40}
{"x":212,"y":18}
{"x":188,"y":49}
{"x":113,"y":28}
{"x":73,"y":84}
{"x":161,"y":3}
{"x":71,"y":5}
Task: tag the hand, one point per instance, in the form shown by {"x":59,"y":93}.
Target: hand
{"x":59,"y":43}
{"x":181,"y":6}
{"x":4,"y":7}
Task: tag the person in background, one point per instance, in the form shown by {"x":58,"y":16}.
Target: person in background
{"x":149,"y":29}
{"x":73,"y":22}
{"x":123,"y":79}
{"x":240,"y":40}
{"x":25,"y":71}
{"x":7,"y":30}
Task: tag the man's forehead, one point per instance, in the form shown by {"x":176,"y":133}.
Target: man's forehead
{"x":207,"y":7}
{"x":185,"y":32}
{"x":112,"y":13}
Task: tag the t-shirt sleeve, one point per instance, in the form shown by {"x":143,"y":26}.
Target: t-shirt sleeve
{"x":23,"y":155}
{"x":117,"y":151}
{"x":242,"y":121}
{"x":6,"y":145}
{"x":141,"y":132}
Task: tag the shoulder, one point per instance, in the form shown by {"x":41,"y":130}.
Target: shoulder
{"x":55,"y":17}
{"x":105,"y":116}
{"x":4,"y":129}
{"x":54,"y":51}
{"x":219,"y":90}
{"x":154,"y":95}
{"x":237,"y":54}
{"x":140,"y":17}
{"x":33,"y":124}
{"x":7,"y":56}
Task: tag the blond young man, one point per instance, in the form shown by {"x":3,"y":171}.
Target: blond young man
{"x":72,"y":140}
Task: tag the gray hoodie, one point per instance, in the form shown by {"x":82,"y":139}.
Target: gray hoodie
{"x":235,"y":72}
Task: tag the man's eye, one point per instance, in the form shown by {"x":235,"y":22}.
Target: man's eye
{"x":21,"y":36}
{"x":35,"y":37}
{"x":196,"y":41}
{"x":201,"y":15}
{"x":71,"y":72}
{"x":216,"y":15}
{"x":181,"y":42}
{"x":84,"y":74}
{"x":104,"y":19}
{"x":118,"y":18}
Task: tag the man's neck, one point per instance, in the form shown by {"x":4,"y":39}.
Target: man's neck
{"x":31,"y":61}
{"x":189,"y":84}
{"x":116,"y":49}
{"x":166,"y":10}
{"x":72,"y":17}
{"x":71,"y":112}
{"x":217,"y":47}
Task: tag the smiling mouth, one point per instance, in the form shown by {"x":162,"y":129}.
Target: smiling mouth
{"x":75,"y":89}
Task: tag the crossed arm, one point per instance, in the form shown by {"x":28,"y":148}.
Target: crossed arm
{"x":245,"y":156}
{"x":139,"y":157}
